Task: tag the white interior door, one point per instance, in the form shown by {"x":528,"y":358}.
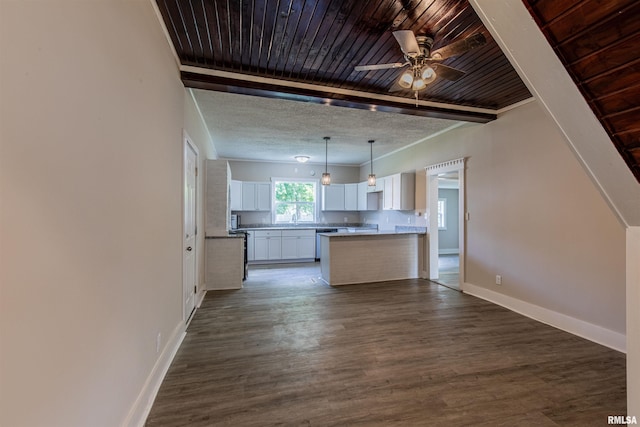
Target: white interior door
{"x":190,"y":228}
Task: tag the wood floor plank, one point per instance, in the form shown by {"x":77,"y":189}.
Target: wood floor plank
{"x":289,"y":350}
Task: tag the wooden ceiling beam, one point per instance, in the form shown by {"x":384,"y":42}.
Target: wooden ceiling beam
{"x":230,"y":85}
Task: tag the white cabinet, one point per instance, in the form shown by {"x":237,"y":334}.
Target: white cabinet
{"x":378,"y":187}
{"x":367,"y":201}
{"x":267,"y":245}
{"x":298,"y":244}
{"x":351,"y":197}
{"x":333,"y":197}
{"x":399,"y":192}
{"x":340,"y":197}
{"x":236,"y":195}
{"x":256,"y":196}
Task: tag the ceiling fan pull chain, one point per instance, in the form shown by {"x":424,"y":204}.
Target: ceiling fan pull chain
{"x":416,"y":98}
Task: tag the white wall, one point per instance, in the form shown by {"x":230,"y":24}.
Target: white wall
{"x":536,"y":218}
{"x":264,"y":171}
{"x":90,"y":225}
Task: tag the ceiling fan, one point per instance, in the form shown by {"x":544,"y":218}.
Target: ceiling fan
{"x":423,"y":62}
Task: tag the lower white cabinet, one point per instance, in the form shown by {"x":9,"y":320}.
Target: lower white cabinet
{"x":298,"y":244}
{"x":273,"y":245}
{"x":267,"y":245}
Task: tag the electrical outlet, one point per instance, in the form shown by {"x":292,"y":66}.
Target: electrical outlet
{"x":346,"y":219}
{"x":158,"y":340}
{"x":498,"y":279}
{"x":409,"y":220}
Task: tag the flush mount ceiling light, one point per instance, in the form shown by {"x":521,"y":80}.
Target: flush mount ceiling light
{"x":371,"y":181}
{"x":302,"y":159}
{"x":326,"y":176}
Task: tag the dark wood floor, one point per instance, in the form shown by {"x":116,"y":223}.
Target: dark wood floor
{"x":289,"y":350}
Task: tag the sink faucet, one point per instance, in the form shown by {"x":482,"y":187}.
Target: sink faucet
{"x":294,"y":219}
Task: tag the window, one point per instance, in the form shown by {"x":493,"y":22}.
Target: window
{"x":442,"y":214}
{"x":294,"y":200}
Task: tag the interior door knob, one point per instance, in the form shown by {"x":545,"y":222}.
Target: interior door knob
{"x":189,"y":248}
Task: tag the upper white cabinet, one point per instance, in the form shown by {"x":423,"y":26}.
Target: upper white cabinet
{"x":333,"y":197}
{"x":256,"y":196}
{"x":367,"y":201}
{"x":351,"y":197}
{"x":236,"y":195}
{"x":399,"y":191}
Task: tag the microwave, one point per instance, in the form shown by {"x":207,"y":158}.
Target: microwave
{"x":235,"y":221}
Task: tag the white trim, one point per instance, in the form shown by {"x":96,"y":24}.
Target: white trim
{"x":432,"y":172}
{"x":514,"y":106}
{"x":142,"y":406}
{"x":633,"y":319}
{"x":321,"y":88}
{"x":586,"y":330}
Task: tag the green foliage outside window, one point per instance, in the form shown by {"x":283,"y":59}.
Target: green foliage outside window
{"x":295,"y":201}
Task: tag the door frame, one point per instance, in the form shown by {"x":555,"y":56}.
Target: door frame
{"x":457,"y":165}
{"x":189,"y":145}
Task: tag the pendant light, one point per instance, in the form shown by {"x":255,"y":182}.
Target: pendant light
{"x":326,"y":176}
{"x":371,"y":181}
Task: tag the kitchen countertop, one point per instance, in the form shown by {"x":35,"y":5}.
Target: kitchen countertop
{"x":370,"y":233}
{"x":234,"y":235}
{"x":303,"y":226}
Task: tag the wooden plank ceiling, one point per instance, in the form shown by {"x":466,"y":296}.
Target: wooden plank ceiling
{"x":319,"y":42}
{"x":599,"y":44}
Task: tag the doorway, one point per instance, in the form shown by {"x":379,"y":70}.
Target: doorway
{"x":189,"y":256}
{"x":448,"y":229}
{"x":446,"y":224}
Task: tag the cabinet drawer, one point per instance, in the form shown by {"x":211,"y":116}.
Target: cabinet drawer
{"x":298,"y":233}
{"x":267,"y":233}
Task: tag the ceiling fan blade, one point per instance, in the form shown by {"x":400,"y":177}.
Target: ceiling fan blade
{"x":380,"y":66}
{"x":459,"y":47}
{"x":446,"y":72}
{"x":408,"y":43}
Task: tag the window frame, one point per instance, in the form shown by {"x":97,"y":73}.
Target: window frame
{"x":316,"y":196}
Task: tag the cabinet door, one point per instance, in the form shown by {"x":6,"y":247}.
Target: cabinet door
{"x":290,"y":247}
{"x":387,"y":194}
{"x":248,"y":196}
{"x":275,"y":247}
{"x":307,"y":246}
{"x":363,"y":190}
{"x":260,"y":248}
{"x":236,"y":195}
{"x":333,"y":197}
{"x":263,"y":196}
{"x":397,"y":192}
{"x":351,"y":197}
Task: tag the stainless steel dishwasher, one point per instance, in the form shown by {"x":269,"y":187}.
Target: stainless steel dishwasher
{"x":318,"y":231}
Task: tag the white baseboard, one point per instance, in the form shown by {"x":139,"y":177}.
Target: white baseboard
{"x":586,"y":330}
{"x":140,"y":410}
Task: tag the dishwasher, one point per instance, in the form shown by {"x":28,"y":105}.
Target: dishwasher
{"x":318,"y":231}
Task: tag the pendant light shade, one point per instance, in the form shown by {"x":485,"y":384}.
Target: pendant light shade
{"x":326,"y":176}
{"x":371,"y":181}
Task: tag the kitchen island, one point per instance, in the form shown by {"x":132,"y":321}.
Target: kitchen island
{"x":350,"y":258}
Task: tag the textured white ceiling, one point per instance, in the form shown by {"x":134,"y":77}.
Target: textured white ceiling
{"x":255,"y":128}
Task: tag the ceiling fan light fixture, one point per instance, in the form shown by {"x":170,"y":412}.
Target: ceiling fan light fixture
{"x":428,"y":74}
{"x":406,"y":79}
{"x":418,"y":84}
{"x":302,"y":159}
